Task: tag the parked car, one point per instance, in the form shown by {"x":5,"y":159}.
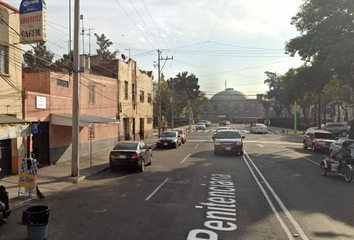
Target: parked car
{"x":130,"y":153}
{"x":181,"y":133}
{"x":334,"y":148}
{"x":228,"y":141}
{"x":206,"y":122}
{"x":200,"y":126}
{"x":259,"y":128}
{"x":318,"y":140}
{"x":169,"y":139}
{"x":337,"y":128}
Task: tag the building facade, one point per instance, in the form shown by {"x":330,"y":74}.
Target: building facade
{"x":135,"y":96}
{"x":235,"y":105}
{"x":13,"y":128}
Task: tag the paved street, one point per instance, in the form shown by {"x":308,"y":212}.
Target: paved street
{"x":274,"y":191}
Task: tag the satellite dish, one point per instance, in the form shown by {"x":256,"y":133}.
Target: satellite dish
{"x":123,"y":56}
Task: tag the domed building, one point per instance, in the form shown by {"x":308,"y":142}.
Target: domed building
{"x":237,"y":107}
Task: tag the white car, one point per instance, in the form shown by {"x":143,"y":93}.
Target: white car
{"x":259,"y":128}
{"x":200,"y":126}
{"x":334,"y":148}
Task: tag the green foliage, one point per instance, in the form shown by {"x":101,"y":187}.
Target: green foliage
{"x":103,"y":45}
{"x":39,"y":56}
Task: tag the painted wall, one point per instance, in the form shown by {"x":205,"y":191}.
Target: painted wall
{"x":59,"y":101}
{"x":11,"y":97}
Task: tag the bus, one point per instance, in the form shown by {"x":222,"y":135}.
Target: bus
{"x":222,"y":120}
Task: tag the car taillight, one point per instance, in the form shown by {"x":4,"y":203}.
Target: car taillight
{"x":135,"y":155}
{"x":111,"y":155}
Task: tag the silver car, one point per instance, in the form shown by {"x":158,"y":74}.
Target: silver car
{"x":334,"y":148}
{"x":200,"y":126}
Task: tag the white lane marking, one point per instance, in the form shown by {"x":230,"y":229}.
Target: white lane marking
{"x":280,"y":203}
{"x":302,"y":156}
{"x":152,"y":194}
{"x":259,"y":145}
{"x":285,"y":228}
{"x":196,"y":146}
{"x":185,"y":158}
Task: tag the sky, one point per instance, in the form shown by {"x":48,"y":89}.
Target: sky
{"x":224,"y":43}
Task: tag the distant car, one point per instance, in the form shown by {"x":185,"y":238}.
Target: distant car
{"x":182,"y":133}
{"x":130,"y":153}
{"x":318,"y":140}
{"x":169,"y":139}
{"x":337,"y":128}
{"x":334,"y":148}
{"x":228,"y":141}
{"x":259,"y":128}
{"x":200,"y":126}
{"x":206,"y":122}
{"x":227,"y":122}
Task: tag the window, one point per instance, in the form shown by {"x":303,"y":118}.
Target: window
{"x":4,"y":59}
{"x":141,"y":96}
{"x":91,"y":94}
{"x":149,"y":97}
{"x":62,"y":83}
{"x":125,"y":90}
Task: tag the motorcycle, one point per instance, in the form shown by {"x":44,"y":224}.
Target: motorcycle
{"x":4,"y":205}
{"x":329,"y":164}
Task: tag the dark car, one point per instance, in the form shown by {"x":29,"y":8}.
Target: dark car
{"x":169,"y":139}
{"x":228,"y":141}
{"x":318,"y":140}
{"x":181,"y":133}
{"x":130,"y":153}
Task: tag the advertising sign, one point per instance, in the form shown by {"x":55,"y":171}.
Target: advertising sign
{"x":27,"y":180}
{"x":33,"y":21}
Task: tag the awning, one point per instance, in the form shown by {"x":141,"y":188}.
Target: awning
{"x":84,"y":120}
{"x":11,"y":127}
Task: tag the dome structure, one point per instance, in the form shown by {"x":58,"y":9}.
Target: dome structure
{"x":229,"y":94}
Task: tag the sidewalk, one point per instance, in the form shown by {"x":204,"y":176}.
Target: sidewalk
{"x":55,"y":178}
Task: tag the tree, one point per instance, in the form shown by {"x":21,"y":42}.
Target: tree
{"x":103,"y":44}
{"x":39,"y":56}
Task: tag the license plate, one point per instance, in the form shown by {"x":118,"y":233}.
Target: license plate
{"x":165,"y":144}
{"x":122,"y":157}
{"x":227,"y":148}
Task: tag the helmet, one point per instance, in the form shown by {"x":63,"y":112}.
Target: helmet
{"x":345,"y":144}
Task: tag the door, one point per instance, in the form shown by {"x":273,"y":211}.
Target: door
{"x":5,"y":157}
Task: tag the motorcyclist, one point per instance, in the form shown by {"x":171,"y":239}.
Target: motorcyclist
{"x":346,"y":155}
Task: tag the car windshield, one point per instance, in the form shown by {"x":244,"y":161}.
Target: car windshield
{"x":324,"y":135}
{"x":169,"y":134}
{"x":228,"y":135}
{"x":126,"y":146}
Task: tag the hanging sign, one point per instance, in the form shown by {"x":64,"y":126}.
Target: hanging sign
{"x":33,"y":21}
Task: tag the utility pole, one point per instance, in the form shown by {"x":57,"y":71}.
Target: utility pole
{"x":89,"y":34}
{"x":159,"y":88}
{"x":76,"y":90}
{"x":83,"y":34}
{"x":173,"y":104}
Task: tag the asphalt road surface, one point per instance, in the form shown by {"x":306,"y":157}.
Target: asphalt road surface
{"x":274,"y":191}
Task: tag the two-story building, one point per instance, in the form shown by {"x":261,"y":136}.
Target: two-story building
{"x":13,"y":129}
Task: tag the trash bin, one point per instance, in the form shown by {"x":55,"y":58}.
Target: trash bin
{"x":36,"y":219}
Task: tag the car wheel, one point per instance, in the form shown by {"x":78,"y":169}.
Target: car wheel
{"x":305,"y":146}
{"x":241,"y":153}
{"x":344,"y":133}
{"x":313,"y":148}
{"x":112,"y":167}
{"x":215,"y":152}
{"x":176,"y":146}
{"x":142,"y":166}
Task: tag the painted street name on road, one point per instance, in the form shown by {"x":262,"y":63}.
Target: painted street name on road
{"x":221,"y":209}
